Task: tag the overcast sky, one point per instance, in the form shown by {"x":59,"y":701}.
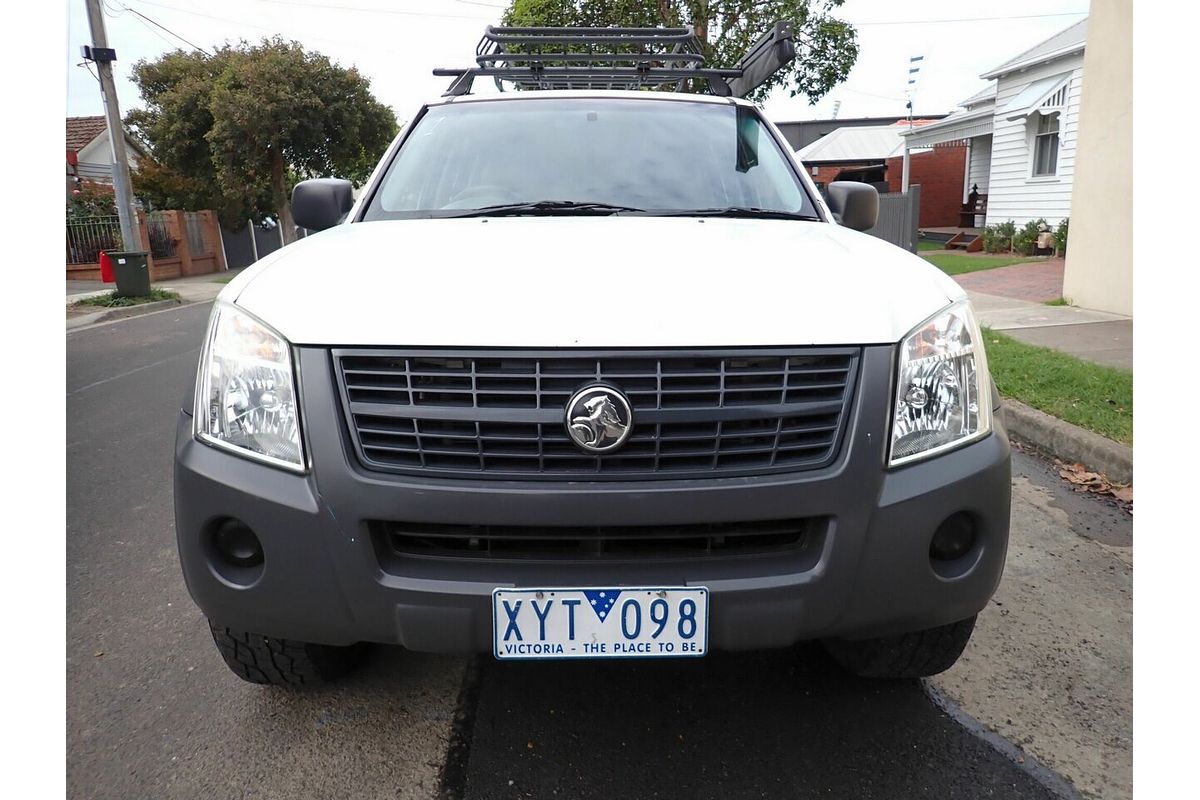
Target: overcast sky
{"x":396,"y":43}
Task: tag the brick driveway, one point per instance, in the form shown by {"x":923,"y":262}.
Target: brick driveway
{"x":1035,"y":282}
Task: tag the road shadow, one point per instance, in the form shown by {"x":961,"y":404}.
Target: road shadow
{"x":784,"y":724}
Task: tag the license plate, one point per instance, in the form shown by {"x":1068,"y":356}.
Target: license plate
{"x":623,"y":622}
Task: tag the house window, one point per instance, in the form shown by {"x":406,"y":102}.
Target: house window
{"x":1045,"y":147}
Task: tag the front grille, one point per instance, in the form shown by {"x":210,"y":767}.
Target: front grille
{"x":501,"y":414}
{"x":423,"y":540}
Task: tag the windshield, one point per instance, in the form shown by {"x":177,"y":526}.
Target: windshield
{"x":638,"y":155}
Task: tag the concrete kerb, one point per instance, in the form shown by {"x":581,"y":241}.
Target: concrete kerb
{"x":1069,"y":443}
{"x":196,"y":289}
{"x":136,"y":311}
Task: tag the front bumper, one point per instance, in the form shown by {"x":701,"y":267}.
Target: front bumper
{"x":324,"y":579}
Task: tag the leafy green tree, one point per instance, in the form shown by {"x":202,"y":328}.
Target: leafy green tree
{"x":826,"y":47}
{"x":234,"y":131}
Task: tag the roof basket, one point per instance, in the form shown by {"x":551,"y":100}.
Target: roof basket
{"x":616,"y":58}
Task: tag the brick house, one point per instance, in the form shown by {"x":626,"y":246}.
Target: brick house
{"x":875,"y":155}
{"x":89,"y":153}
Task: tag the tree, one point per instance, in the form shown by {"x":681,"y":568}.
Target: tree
{"x":235,"y":130}
{"x":826,"y":48}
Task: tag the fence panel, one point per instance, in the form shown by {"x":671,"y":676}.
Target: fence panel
{"x":239,"y":252}
{"x":197,"y":241}
{"x":898,"y":216}
{"x":87,"y":237}
{"x":162,"y":243}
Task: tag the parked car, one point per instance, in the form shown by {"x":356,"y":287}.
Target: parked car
{"x":586,"y":374}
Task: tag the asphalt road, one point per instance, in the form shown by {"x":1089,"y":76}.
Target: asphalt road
{"x":153,"y":712}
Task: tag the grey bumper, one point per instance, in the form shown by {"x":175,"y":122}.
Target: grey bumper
{"x":324,"y":579}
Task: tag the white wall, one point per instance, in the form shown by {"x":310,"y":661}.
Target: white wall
{"x":981,"y":163}
{"x":95,"y":160}
{"x":1012,"y":192}
{"x":1099,"y":271}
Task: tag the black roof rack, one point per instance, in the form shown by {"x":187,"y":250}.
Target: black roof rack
{"x":616,"y":58}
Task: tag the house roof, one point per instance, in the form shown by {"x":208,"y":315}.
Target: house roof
{"x":82,"y":130}
{"x":859,"y":144}
{"x":960,"y":125}
{"x":986,"y":93}
{"x":1063,"y":43}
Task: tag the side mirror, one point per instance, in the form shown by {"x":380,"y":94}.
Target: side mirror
{"x":321,"y":203}
{"x":854,"y":204}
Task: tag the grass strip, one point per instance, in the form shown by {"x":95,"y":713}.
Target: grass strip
{"x":110,"y":300}
{"x":956,"y":264}
{"x":1094,"y":397}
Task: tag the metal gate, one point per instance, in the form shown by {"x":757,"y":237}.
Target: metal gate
{"x":898,"y":216}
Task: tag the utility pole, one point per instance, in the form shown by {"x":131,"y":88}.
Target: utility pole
{"x":914,"y":71}
{"x":904,"y":168}
{"x":103,"y":56}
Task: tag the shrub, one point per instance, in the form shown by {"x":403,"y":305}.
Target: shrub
{"x":1025,"y":240}
{"x":1060,"y":236}
{"x":998,"y":238}
{"x":91,"y":200}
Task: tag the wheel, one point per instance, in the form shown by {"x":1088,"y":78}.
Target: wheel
{"x":283,"y":662}
{"x":910,"y":655}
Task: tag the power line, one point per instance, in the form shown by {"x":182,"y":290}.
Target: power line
{"x":144,"y":19}
{"x":168,"y":30}
{"x":967,"y":19}
{"x":869,"y":94}
{"x":156,"y":33}
{"x":369,"y":9}
{"x":88,"y":66}
{"x":244,"y":24}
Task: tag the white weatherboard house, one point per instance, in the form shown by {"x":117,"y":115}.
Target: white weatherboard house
{"x":1021,"y":131}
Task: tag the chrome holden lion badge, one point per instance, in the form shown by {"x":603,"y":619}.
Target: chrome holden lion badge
{"x":599,"y":419}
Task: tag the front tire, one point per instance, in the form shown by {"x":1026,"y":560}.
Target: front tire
{"x":911,"y":655}
{"x":283,"y":662}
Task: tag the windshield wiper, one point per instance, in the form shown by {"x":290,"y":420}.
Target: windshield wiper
{"x":741,"y":211}
{"x":545,"y":208}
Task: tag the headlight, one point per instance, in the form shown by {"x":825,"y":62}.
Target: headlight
{"x":943,"y":398}
{"x":245,"y":392}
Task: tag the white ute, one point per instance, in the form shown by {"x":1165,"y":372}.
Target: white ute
{"x":586,"y":373}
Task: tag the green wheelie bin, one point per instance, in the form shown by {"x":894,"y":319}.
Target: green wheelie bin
{"x":132,"y":271}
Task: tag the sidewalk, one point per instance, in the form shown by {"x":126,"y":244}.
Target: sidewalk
{"x":1009,"y":299}
{"x":194,"y":289}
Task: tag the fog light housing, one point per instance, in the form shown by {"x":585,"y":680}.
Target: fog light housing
{"x":954,"y":538}
{"x":237,"y":545}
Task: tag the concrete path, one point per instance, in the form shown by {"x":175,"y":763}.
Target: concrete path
{"x":1091,"y":335}
{"x":1012,"y":300}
